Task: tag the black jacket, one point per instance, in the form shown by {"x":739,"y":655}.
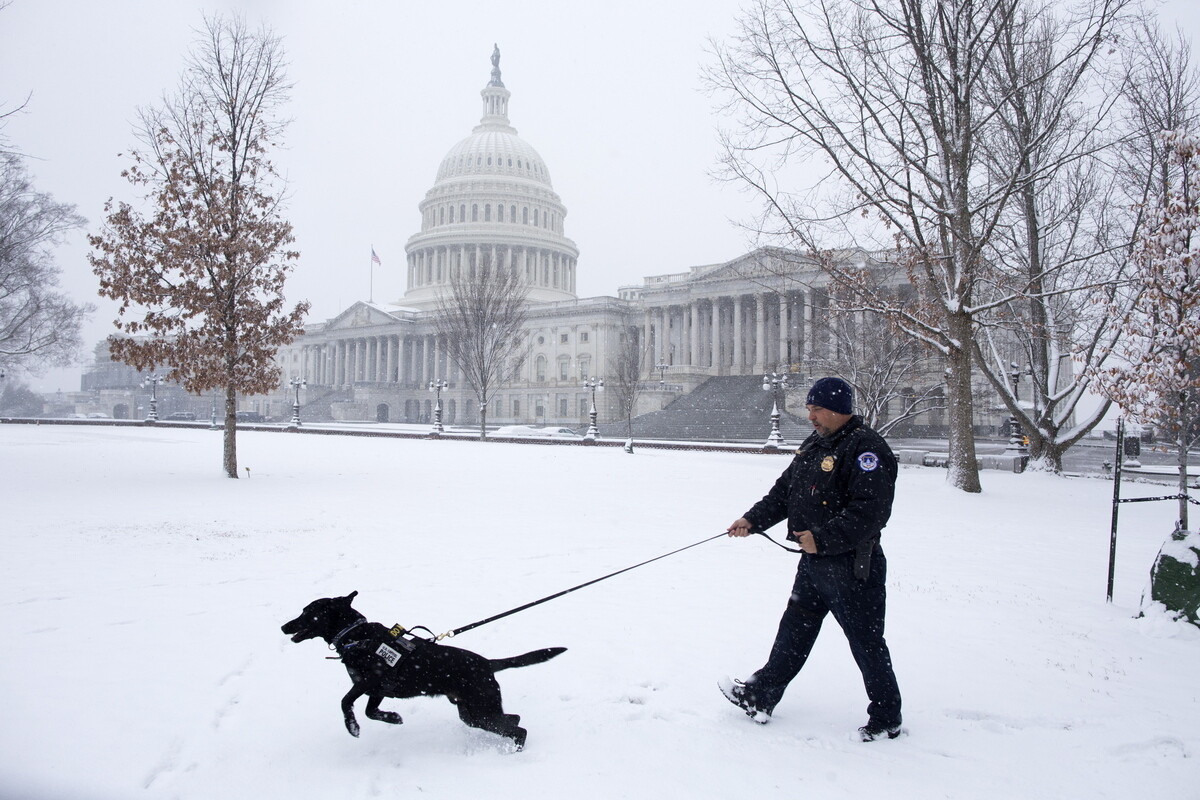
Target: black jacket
{"x":839,"y":488}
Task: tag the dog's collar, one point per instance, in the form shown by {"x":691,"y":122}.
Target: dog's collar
{"x":336,"y":640}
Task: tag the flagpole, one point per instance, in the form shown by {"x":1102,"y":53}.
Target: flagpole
{"x":371,"y":272}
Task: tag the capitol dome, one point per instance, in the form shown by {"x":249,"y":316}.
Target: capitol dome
{"x":492,"y":200}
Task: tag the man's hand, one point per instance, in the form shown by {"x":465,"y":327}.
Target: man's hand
{"x":739,"y":528}
{"x":807,"y":543}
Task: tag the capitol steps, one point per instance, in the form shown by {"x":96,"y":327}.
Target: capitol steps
{"x":731,"y":408}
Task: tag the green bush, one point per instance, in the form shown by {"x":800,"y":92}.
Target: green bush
{"x":1175,"y":576}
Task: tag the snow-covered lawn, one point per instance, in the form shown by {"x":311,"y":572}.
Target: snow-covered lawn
{"x":141,"y":595}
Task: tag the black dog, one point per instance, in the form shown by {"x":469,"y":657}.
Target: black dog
{"x":386,"y":664}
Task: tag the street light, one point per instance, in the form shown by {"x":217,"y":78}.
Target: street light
{"x":297,"y":385}
{"x":775,"y":384}
{"x":153,"y":380}
{"x":438,"y":386}
{"x":595,"y":384}
{"x":662,"y":368}
{"x":1016,"y":443}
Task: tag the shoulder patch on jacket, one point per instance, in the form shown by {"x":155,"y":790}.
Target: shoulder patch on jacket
{"x":867,"y":462}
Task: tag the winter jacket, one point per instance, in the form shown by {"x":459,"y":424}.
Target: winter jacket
{"x":840,"y":488}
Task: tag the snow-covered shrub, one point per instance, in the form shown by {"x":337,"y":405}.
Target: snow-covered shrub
{"x":1175,"y":576}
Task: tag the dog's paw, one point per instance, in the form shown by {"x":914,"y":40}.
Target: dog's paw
{"x":352,"y":726}
{"x":390,"y":717}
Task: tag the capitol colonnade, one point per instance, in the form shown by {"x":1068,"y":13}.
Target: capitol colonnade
{"x":409,"y":360}
{"x":542,"y":268}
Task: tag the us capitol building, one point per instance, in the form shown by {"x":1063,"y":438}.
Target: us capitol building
{"x":493,"y":200}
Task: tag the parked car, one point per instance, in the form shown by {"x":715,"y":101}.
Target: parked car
{"x":250,"y":416}
{"x":181,"y":416}
{"x":98,"y":415}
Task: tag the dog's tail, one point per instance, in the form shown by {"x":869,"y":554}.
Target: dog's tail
{"x":527,"y":659}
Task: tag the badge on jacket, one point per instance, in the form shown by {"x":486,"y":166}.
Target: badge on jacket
{"x":827,"y":464}
{"x":867,"y":462}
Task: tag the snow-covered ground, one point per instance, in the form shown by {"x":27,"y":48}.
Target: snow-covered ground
{"x":141,"y":595}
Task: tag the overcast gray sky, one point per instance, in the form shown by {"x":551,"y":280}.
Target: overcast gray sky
{"x":609,"y":93}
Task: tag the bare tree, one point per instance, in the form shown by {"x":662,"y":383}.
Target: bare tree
{"x":892,"y":95}
{"x":481,"y":321}
{"x":1158,"y":379}
{"x":625,"y":370}
{"x":200,"y":275}
{"x":39,"y":324}
{"x":889,"y":371}
{"x":1063,"y":248}
{"x":1160,"y":89}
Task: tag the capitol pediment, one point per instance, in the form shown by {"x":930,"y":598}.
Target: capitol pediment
{"x":361,"y":315}
{"x":762,"y":263}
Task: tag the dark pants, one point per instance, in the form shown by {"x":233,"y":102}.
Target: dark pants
{"x":826,"y":584}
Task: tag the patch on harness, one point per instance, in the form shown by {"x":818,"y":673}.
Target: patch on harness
{"x":388,"y":654}
{"x":867,"y":462}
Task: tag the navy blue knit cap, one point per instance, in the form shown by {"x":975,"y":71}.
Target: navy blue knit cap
{"x":832,"y":393}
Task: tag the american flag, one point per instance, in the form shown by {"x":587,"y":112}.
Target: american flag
{"x":375,"y":258}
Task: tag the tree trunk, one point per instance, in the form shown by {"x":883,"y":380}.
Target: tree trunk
{"x":1183,"y":479}
{"x":1046,"y":453}
{"x":483,"y":421}
{"x":230,"y":434}
{"x":963,"y":466}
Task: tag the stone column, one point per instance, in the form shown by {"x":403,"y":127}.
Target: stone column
{"x":715,"y":336}
{"x":694,"y":334}
{"x":668,"y":336}
{"x":808,"y":327}
{"x":760,"y":332}
{"x":738,"y":367}
{"x":784,"y":324}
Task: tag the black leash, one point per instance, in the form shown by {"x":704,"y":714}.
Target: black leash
{"x":463,"y":629}
{"x":779,"y":544}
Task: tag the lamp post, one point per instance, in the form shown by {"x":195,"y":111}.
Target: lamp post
{"x":153,"y":380}
{"x":775,"y":384}
{"x":212,"y":411}
{"x":438,"y":386}
{"x":1015,"y":443}
{"x":593,"y":433}
{"x":662,"y":368}
{"x":297,"y":385}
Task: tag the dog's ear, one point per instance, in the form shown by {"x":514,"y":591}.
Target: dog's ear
{"x":350,"y":597}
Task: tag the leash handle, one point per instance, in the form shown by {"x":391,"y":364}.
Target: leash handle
{"x":779,"y":544}
{"x":465,"y":628}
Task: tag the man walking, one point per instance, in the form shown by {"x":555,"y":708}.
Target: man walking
{"x":836,"y":496}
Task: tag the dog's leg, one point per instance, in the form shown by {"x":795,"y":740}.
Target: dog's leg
{"x":373,"y":711}
{"x":348,"y":708}
{"x":494,"y":720}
